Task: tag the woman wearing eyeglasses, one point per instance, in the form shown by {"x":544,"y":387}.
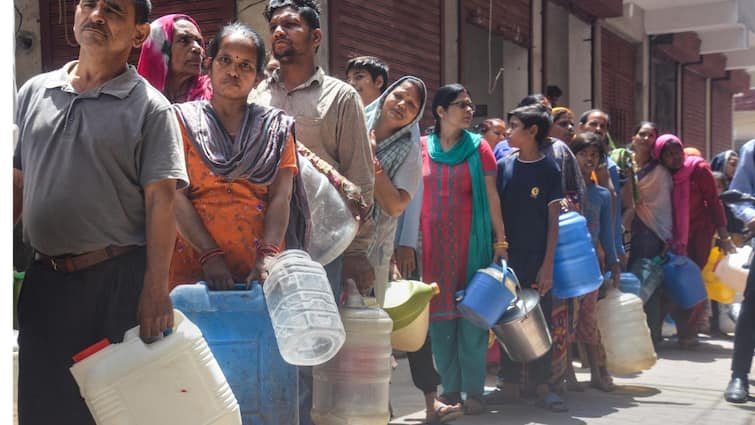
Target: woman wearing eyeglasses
{"x":460,"y":214}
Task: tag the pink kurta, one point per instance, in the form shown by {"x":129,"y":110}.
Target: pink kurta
{"x":446,"y":222}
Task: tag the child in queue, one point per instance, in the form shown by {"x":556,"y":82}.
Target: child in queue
{"x":589,"y":151}
{"x":530,"y":191}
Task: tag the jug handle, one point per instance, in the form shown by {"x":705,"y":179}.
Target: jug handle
{"x":506,"y":270}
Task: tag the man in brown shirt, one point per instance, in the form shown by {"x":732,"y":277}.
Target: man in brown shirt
{"x":329,"y":118}
{"x":330,"y":122}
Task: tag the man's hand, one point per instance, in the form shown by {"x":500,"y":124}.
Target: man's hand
{"x":155,"y":311}
{"x":751,"y":226}
{"x":217,"y":274}
{"x":406,"y":260}
{"x":358,"y":268}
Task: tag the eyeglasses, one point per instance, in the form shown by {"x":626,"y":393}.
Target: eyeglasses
{"x":464,"y":105}
{"x":565,"y":124}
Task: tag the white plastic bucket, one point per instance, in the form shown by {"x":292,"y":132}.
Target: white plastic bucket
{"x":175,"y":380}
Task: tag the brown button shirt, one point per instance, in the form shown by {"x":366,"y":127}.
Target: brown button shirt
{"x":330,"y":122}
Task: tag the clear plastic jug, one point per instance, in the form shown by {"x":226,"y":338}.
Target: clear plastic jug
{"x":353,"y":387}
{"x":172,"y":381}
{"x":335,"y":227}
{"x":303,"y":310}
{"x":624,"y":333}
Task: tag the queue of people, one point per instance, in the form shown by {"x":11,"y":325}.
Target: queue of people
{"x":194,"y":175}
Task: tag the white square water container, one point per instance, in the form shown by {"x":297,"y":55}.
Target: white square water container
{"x":175,"y":380}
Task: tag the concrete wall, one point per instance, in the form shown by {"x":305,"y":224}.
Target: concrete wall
{"x":477,"y":70}
{"x":580,"y":66}
{"x":515,"y":75}
{"x":28,"y":60}
{"x":556,"y":51}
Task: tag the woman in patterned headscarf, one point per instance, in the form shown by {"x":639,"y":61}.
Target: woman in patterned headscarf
{"x":171,"y":59}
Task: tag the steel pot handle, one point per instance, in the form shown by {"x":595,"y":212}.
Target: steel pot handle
{"x":504,"y":265}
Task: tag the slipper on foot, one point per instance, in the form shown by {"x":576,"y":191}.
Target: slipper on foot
{"x":553,"y":403}
{"x":444,"y":414}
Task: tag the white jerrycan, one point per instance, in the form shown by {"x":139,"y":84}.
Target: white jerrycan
{"x":175,"y":380}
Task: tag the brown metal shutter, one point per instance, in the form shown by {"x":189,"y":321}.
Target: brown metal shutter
{"x":618,"y":82}
{"x":56,"y":24}
{"x":512,"y":19}
{"x":693,"y":110}
{"x":721,"y":118}
{"x":405,"y":34}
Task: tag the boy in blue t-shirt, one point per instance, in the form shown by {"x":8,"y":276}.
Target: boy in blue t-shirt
{"x":589,"y":151}
{"x":529,"y":186}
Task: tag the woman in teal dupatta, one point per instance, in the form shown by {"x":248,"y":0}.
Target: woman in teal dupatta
{"x":460,"y":216}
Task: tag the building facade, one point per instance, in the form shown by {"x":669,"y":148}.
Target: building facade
{"x":676,"y":62}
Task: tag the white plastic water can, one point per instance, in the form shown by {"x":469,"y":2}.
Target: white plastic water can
{"x":175,"y":380}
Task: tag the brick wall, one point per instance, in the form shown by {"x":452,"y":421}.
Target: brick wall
{"x":618,"y":81}
{"x":721,"y":117}
{"x":693,"y":110}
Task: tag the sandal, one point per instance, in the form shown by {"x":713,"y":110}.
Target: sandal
{"x":552,"y":402}
{"x":444,"y":414}
{"x":474,"y":405}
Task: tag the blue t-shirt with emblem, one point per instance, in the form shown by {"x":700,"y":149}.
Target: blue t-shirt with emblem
{"x":526,"y":189}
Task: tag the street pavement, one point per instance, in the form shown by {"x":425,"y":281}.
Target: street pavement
{"x":684,"y":387}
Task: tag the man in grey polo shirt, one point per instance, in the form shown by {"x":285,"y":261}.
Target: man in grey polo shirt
{"x":95,"y":174}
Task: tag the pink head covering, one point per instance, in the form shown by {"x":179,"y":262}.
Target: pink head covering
{"x":680,"y":192}
{"x":154,"y":59}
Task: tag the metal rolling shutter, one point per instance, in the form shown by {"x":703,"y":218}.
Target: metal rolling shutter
{"x":56,"y":24}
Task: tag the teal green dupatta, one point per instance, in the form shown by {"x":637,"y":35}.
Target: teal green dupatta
{"x":480,"y":251}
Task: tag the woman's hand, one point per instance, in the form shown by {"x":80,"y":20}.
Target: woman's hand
{"x":727,"y":246}
{"x":500,"y":253}
{"x":217,"y":274}
{"x":405,"y":260}
{"x":260,"y":270}
{"x":544,"y":280}
{"x":616,"y":275}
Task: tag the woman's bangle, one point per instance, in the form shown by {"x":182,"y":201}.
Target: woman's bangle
{"x":215,"y":252}
{"x":726,"y":239}
{"x":378,"y":167}
{"x":501,"y":244}
{"x":268,"y":249}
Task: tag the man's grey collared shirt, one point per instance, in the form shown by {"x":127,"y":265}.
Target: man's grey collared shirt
{"x":86,"y":158}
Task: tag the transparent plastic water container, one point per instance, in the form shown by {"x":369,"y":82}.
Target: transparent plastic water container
{"x":624,"y":333}
{"x":175,"y":380}
{"x":353,"y":387}
{"x":335,"y":226}
{"x":303,"y":311}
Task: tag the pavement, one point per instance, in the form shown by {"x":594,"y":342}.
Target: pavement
{"x":684,"y":387}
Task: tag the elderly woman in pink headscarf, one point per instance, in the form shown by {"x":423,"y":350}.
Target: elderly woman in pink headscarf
{"x":695,"y":206}
{"x":171,"y":59}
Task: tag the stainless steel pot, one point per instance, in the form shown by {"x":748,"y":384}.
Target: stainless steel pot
{"x":522,"y":330}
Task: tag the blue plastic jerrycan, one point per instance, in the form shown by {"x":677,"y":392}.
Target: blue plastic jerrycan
{"x":237,"y":327}
{"x":575,"y":267}
{"x":683,"y":281}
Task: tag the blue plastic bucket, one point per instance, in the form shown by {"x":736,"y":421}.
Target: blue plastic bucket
{"x":575,"y":267}
{"x":238,"y":330}
{"x":488,"y":295}
{"x":683,"y":281}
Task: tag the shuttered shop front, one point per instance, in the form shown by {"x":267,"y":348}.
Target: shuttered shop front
{"x":56,"y":23}
{"x":405,"y":34}
{"x":618,"y":84}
